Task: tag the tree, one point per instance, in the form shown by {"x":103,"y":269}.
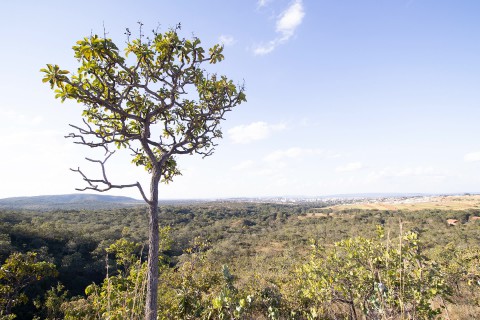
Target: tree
{"x":18,"y":272}
{"x":157,"y":101}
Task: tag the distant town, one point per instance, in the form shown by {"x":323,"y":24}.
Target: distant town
{"x":347,"y":198}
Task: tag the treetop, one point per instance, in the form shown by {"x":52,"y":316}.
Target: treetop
{"x":155,"y":99}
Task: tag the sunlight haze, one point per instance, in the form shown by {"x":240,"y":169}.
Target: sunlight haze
{"x":342,"y":96}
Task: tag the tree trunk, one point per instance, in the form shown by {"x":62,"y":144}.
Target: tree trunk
{"x":153,"y":243}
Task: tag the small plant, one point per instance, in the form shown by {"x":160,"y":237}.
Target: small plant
{"x":51,"y":306}
{"x":229,"y":304}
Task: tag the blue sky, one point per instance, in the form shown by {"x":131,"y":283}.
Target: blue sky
{"x":349,"y":96}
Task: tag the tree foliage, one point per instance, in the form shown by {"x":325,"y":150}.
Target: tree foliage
{"x":18,"y":272}
{"x":156,"y":99}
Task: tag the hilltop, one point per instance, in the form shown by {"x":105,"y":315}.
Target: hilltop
{"x":68,"y":202}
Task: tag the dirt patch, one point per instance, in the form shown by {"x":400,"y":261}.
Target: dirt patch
{"x":313,"y":215}
{"x":271,"y":247}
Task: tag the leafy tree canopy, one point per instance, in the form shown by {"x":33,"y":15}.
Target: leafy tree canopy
{"x":158,"y":81}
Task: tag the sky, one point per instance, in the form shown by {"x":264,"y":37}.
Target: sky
{"x":352,"y":96}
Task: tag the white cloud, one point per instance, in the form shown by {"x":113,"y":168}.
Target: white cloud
{"x":352,"y":166}
{"x":292,"y":153}
{"x":417,"y":171}
{"x":265,"y":48}
{"x":255,"y":131}
{"x":243,"y":165}
{"x":405,"y":172}
{"x":227,"y":40}
{"x":263,"y":3}
{"x":286,"y":24}
{"x":9,"y":116}
{"x":472,"y":157}
{"x":290,"y":19}
{"x":21,"y":139}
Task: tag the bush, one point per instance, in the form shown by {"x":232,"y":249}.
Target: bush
{"x":374,"y":277}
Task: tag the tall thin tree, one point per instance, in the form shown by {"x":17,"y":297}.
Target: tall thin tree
{"x":157,"y":101}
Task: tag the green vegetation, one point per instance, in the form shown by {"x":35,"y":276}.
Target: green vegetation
{"x":17,"y":272}
{"x":249,"y":261}
{"x":156,"y":100}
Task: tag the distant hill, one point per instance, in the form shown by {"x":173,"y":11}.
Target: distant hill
{"x":68,"y":202}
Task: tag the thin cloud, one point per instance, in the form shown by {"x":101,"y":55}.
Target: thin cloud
{"x":243,"y":165}
{"x":286,"y":25}
{"x":28,"y":137}
{"x":265,"y":48}
{"x":263,"y":3}
{"x":353,"y":166}
{"x":290,"y":19}
{"x":227,"y":40}
{"x":260,"y":130}
{"x":409,"y":172}
{"x":472,"y":157}
{"x":292,"y":153}
{"x":10,"y":116}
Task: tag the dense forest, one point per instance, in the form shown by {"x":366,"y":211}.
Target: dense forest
{"x":242,"y":261}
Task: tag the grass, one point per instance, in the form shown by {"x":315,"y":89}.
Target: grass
{"x":445,"y":203}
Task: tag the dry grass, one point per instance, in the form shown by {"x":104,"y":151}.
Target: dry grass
{"x":432,"y":203}
{"x":272,"y":247}
{"x":460,"y":311}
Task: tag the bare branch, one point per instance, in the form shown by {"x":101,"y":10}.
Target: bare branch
{"x":103,"y":184}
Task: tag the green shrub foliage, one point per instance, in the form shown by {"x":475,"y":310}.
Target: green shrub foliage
{"x":242,"y":261}
{"x":372,"y":278}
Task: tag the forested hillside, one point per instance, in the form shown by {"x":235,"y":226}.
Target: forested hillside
{"x":243,"y":261}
